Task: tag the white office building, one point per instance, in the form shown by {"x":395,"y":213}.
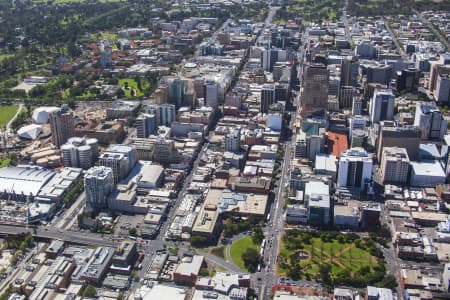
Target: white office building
{"x":317,"y":195}
{"x":232,"y":140}
{"x":355,"y":168}
{"x":120,"y":158}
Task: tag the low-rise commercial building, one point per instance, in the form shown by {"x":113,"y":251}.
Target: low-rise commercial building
{"x":122,"y":109}
{"x":317,"y":195}
{"x":427,"y":174}
{"x":187,"y":271}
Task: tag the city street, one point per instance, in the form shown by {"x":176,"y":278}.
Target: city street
{"x":275,"y":227}
{"x":395,"y":40}
{"x":76,"y":237}
{"x":442,"y":39}
{"x":69,"y":216}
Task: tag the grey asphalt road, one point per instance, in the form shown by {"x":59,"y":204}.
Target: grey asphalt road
{"x":77,"y":237}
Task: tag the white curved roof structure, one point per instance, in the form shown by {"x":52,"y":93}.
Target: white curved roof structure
{"x":29,"y":132}
{"x":41,"y":114}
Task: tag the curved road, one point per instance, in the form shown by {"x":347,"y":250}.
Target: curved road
{"x":228,"y":253}
{"x":222,"y":263}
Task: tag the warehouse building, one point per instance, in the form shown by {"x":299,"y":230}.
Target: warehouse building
{"x":20,"y":182}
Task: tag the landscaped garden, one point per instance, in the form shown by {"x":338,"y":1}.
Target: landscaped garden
{"x":332,"y":258}
{"x":131,"y":87}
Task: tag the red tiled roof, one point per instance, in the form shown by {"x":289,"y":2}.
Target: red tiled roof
{"x":337,"y":142}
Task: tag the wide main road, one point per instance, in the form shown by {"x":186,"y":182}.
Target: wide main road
{"x":275,"y":227}
{"x":436,"y":32}
{"x":395,"y":40}
{"x":51,"y":233}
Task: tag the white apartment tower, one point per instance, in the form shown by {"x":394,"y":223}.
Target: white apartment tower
{"x":98,"y":184}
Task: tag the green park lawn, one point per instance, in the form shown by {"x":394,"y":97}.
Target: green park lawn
{"x":340,"y":256}
{"x":111,"y":37}
{"x":238,"y":248}
{"x":131,"y":84}
{"x":6,"y":113}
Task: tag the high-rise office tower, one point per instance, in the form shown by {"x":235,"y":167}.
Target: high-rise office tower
{"x":394,"y":166}
{"x":357,"y":106}
{"x":211,"y":94}
{"x":176,"y":91}
{"x":145,"y":125}
{"x":430,"y":120}
{"x":346,"y":95}
{"x":382,"y":105}
{"x":356,"y":122}
{"x":408,"y":80}
{"x":268,"y":59}
{"x":392,"y":135}
{"x":314,"y":145}
{"x":334,"y":80}
{"x":267,"y":97}
{"x":437,"y":68}
{"x":442,"y":92}
{"x":314,"y":92}
{"x":162,"y":93}
{"x":379,"y":73}
{"x":62,"y":126}
{"x":349,"y":71}
{"x":165,"y":113}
